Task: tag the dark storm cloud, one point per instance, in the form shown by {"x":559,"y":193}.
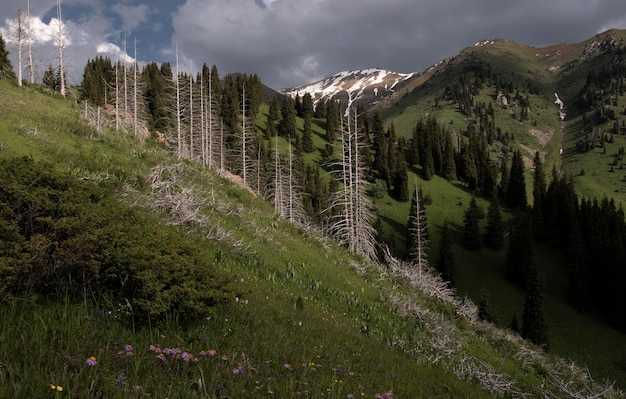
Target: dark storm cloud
{"x":291,"y":42}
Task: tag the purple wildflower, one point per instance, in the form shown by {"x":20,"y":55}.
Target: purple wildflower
{"x":120,"y":381}
{"x":161,"y":357}
{"x":91,"y":361}
{"x":187,"y":356}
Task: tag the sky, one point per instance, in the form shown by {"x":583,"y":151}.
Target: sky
{"x":289,"y":43}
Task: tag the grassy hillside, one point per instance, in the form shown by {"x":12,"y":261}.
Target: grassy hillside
{"x":304,"y":318}
{"x":561,"y":68}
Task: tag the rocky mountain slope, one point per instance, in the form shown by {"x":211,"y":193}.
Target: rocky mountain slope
{"x":368,"y":86}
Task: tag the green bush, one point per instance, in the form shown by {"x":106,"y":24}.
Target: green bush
{"x":61,"y":235}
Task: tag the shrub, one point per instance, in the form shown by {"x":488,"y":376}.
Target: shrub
{"x":61,"y":235}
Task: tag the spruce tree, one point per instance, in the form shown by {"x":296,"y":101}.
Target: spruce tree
{"x":516,"y":187}
{"x":539,"y":197}
{"x":307,"y":133}
{"x":287,"y":124}
{"x":401,"y":180}
{"x":332,"y":123}
{"x":520,"y":258}
{"x":445,"y":262}
{"x":534,"y":326}
{"x":449,"y":163}
{"x":494,"y":236}
{"x":273,"y":116}
{"x":578,"y":292}
{"x":471,"y":223}
{"x":6,"y":69}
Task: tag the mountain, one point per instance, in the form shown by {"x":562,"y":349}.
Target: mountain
{"x":147,"y":271}
{"x":366,"y":86}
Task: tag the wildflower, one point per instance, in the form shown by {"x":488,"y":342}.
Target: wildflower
{"x":161,"y":357}
{"x":155,"y":349}
{"x":224,"y":357}
{"x":212,"y":352}
{"x":187,"y":356}
{"x":57,"y":388}
{"x":91,"y":361}
{"x":350,"y":396}
{"x":120,"y":381}
{"x":239,"y":370}
{"x":287,"y":366}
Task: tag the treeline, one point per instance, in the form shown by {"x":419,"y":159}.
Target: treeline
{"x":597,"y":101}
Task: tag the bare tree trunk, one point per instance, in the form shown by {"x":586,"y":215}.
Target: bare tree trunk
{"x":203,"y":153}
{"x":244,"y":138}
{"x":29,"y":44}
{"x":353,"y":224}
{"x":61,"y":46}
{"x":117,"y":93}
{"x":178,"y":110}
{"x":191,"y":116}
{"x":418,"y":246}
{"x":19,"y":38}
{"x":135,"y":95}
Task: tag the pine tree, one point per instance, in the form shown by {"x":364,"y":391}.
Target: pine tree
{"x":273,"y":116}
{"x":516,"y":187}
{"x":49,"y":78}
{"x":494,"y":236}
{"x":578,"y":292}
{"x":6,"y":69}
{"x":287,"y":125}
{"x":307,"y":133}
{"x":534,"y":326}
{"x":332,"y":118}
{"x":400,"y":180}
{"x":520,"y":258}
{"x":417,"y":240}
{"x":445,"y":262}
{"x":449,"y":163}
{"x":539,"y":197}
{"x":471,"y":223}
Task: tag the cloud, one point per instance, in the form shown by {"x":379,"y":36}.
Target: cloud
{"x":131,"y":16}
{"x":290,"y":42}
{"x":115,"y":52}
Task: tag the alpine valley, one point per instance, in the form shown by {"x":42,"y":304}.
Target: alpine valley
{"x":452,"y":232}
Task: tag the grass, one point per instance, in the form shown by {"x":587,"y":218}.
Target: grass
{"x":307,"y":319}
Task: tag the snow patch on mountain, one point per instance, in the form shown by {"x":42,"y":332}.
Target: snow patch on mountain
{"x":369,"y":85}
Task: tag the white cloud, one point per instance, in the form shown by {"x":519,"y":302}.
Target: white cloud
{"x":114,"y":51}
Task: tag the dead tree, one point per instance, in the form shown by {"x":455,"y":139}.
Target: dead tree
{"x":353,"y":224}
{"x":29,"y":45}
{"x":61,"y":48}
{"x":19,"y":37}
{"x":418,"y":235}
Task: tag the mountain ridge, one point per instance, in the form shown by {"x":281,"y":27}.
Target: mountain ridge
{"x":358,"y":86}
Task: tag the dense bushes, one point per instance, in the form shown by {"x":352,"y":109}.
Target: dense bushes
{"x":60,"y":235}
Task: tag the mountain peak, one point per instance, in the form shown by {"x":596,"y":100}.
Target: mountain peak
{"x":368,"y":86}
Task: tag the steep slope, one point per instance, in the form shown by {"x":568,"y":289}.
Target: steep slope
{"x":307,"y":318}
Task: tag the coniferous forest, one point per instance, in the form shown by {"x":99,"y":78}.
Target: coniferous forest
{"x":328,"y":169}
